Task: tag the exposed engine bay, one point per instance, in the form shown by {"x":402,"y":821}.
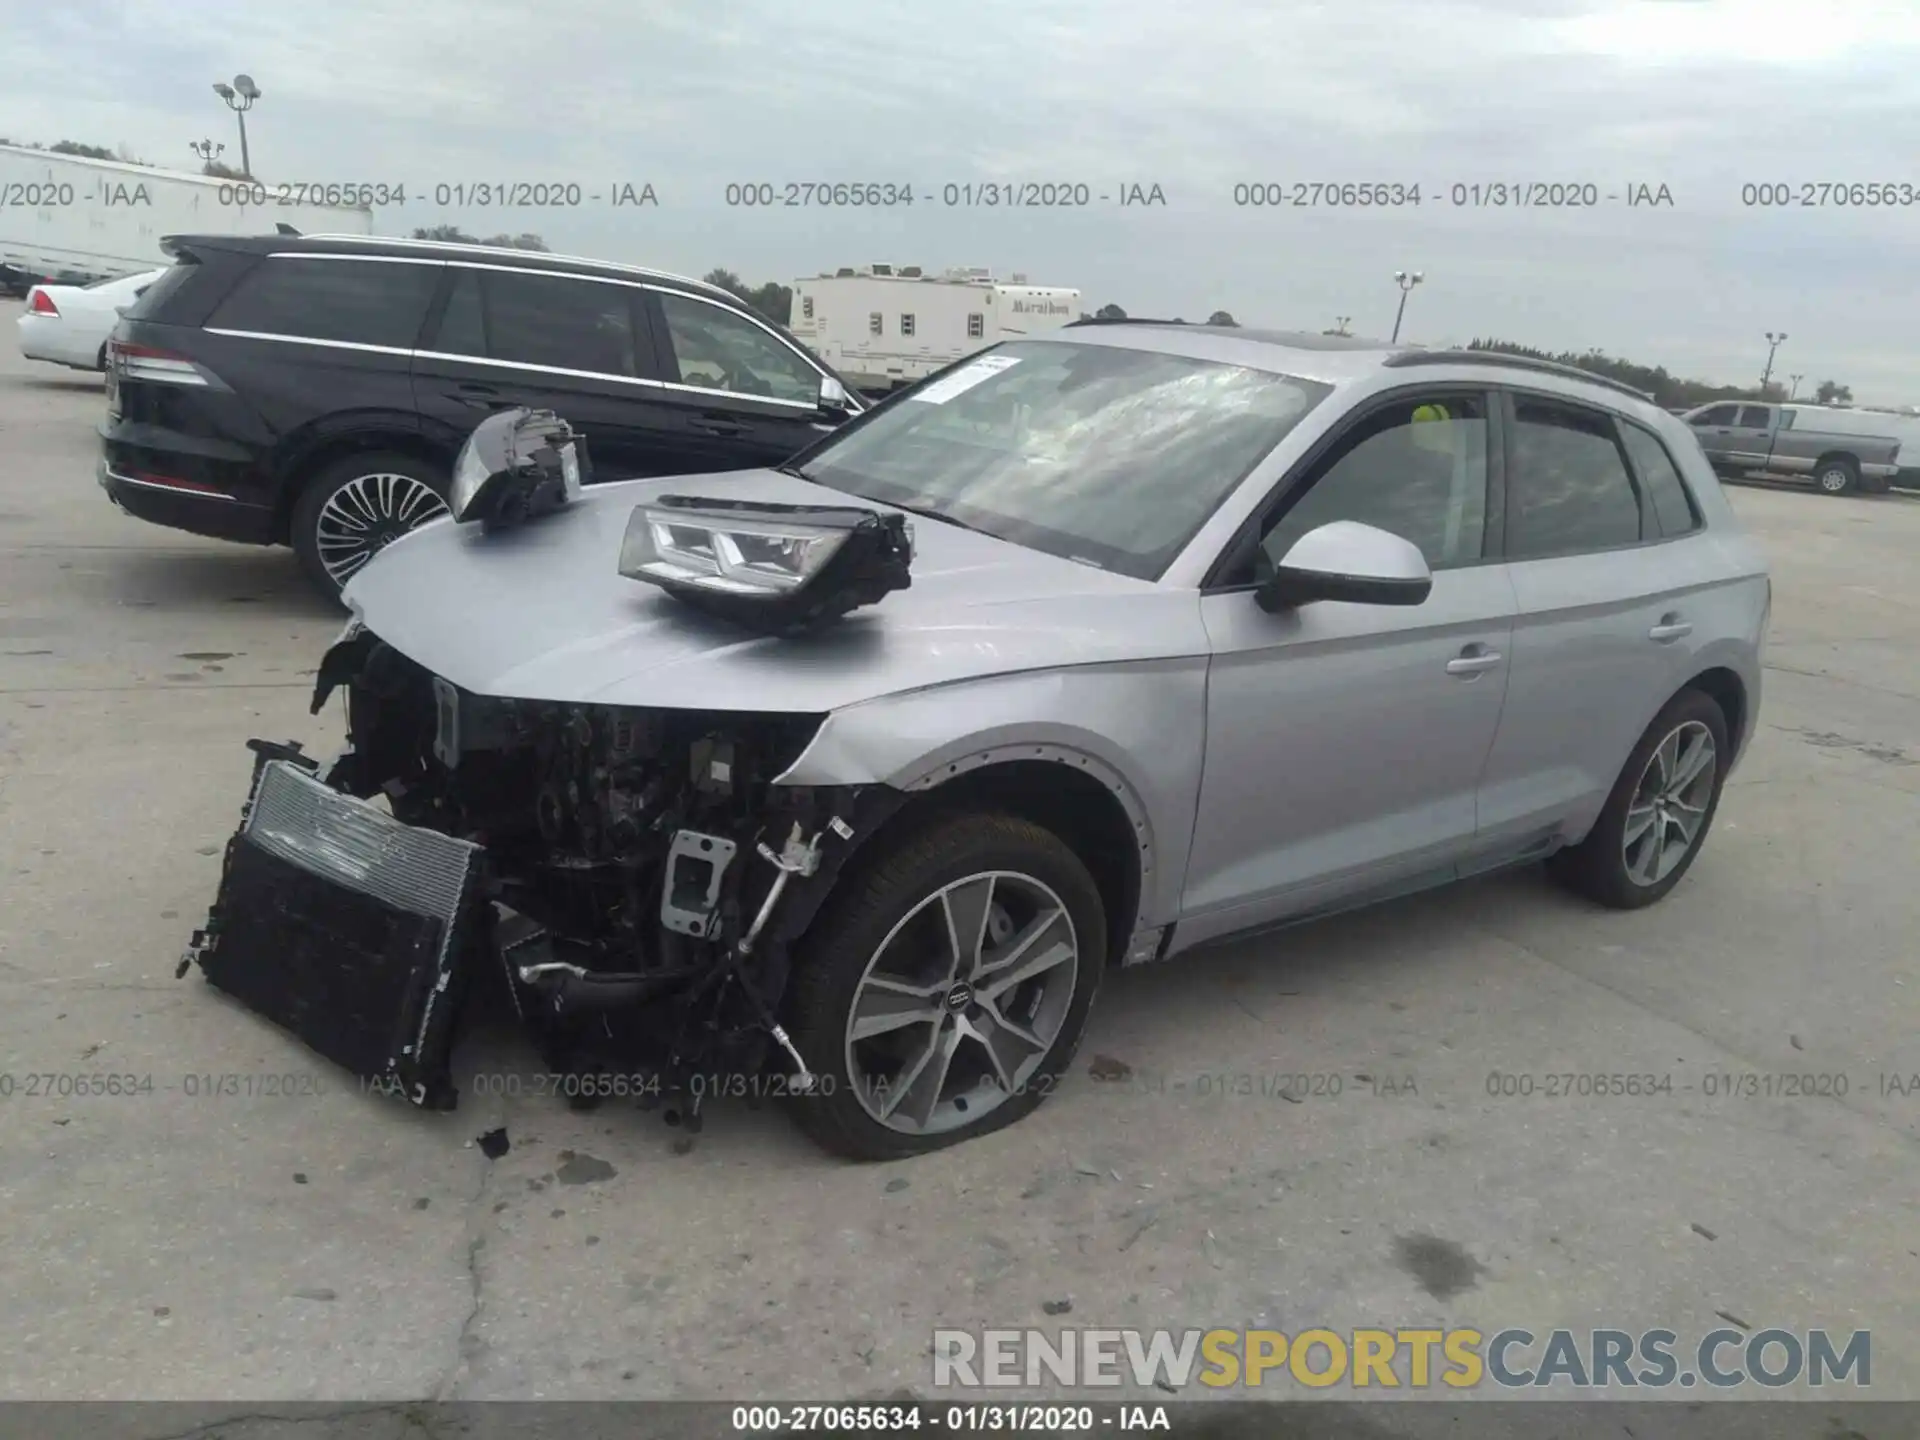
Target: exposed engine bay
{"x":630,"y":878}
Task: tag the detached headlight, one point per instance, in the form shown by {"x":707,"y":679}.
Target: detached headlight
{"x":777,"y":568}
{"x":517,"y":465}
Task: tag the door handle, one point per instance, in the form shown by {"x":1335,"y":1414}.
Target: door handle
{"x":472,"y":392}
{"x":1473,"y":660}
{"x":1670,"y":628}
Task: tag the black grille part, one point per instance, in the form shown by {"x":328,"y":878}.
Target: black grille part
{"x":345,"y":972}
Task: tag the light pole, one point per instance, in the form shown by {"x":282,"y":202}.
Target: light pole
{"x":1406,"y":281}
{"x":1773,"y":344}
{"x":240,"y":96}
{"x":207,"y":150}
{"x":1795,"y":389}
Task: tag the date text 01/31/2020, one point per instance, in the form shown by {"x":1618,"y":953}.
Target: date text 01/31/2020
{"x":1460,"y":194}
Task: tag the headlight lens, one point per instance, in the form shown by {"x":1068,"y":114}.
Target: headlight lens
{"x":780,"y":569}
{"x":727,"y":554}
{"x":470,"y":472}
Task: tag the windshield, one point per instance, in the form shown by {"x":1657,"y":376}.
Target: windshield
{"x":1107,"y":456}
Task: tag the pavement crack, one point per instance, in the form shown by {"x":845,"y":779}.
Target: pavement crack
{"x":477,"y":1221}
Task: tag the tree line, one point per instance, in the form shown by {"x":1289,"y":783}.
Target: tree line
{"x":1668,"y":390}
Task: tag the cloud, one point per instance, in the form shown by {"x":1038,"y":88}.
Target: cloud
{"x":1702,"y":96}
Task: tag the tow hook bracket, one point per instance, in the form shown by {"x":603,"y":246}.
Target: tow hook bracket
{"x":696,"y":865}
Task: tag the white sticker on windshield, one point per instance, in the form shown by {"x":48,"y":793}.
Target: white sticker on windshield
{"x":965,"y":378}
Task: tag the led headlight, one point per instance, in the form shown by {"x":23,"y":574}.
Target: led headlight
{"x":777,"y":568}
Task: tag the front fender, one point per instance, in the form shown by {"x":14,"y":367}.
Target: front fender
{"x":1138,"y":728}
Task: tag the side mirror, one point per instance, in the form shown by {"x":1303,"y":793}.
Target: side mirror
{"x":835,"y":399}
{"x":516,"y":465}
{"x":1345,"y":560}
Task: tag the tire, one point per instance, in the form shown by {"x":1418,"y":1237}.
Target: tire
{"x":886,"y":917}
{"x":389,"y":492}
{"x":1604,"y":867}
{"x":1837,"y":475}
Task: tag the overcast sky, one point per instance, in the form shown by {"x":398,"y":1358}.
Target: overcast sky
{"x":1701,"y":96}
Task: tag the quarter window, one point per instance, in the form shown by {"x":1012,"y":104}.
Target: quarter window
{"x":1568,"y":482}
{"x":363,"y":302}
{"x":1417,"y":468}
{"x":715,"y":349}
{"x":1660,"y":479}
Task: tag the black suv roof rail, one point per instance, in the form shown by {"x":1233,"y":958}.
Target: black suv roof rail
{"x":495,"y":251}
{"x":1501,"y":358}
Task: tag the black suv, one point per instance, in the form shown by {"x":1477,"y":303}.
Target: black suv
{"x":313,"y":391}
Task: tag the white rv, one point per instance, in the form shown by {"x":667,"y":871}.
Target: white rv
{"x":883,"y":326}
{"x":70,"y":217}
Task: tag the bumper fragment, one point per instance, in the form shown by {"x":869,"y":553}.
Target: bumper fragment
{"x":347,"y":928}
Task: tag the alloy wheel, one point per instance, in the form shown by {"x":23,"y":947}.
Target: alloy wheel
{"x":961,"y":1002}
{"x":1834,"y":480}
{"x":368,"y":513}
{"x":1669,"y":807}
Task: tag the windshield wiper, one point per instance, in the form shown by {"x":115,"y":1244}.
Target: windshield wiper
{"x":930,"y":513}
{"x":796,"y":471}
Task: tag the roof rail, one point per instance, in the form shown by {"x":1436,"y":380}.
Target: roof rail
{"x":498,"y":250}
{"x":1514,"y":362}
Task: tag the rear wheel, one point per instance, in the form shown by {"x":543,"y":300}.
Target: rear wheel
{"x":1657,"y":817}
{"x":944,"y":991}
{"x":355,"y":507}
{"x":1837,"y":475}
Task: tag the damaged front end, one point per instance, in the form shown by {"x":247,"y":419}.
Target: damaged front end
{"x":630,"y":879}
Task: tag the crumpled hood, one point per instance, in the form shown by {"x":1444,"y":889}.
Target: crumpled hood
{"x":541,"y":612}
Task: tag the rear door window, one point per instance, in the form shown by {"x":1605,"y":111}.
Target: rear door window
{"x":557,"y":322}
{"x":1568,"y":486}
{"x":357,"y":301}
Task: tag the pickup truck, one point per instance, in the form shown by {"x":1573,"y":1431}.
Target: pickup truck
{"x":1748,"y":439}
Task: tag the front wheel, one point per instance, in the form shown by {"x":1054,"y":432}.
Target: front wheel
{"x":358,"y":505}
{"x":1655,"y":821}
{"x":944,"y":990}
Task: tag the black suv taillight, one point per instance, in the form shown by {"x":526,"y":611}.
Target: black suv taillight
{"x":157,"y":366}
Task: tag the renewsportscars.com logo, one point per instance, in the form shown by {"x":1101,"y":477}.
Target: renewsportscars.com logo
{"x":1412,"y":1359}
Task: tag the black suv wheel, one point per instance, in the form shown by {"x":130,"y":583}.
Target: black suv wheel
{"x":354,"y":507}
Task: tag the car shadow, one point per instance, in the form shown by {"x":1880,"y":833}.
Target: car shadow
{"x":74,"y":381}
{"x":218,"y":579}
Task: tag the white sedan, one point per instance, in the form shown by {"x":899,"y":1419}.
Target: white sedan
{"x":69,"y":324}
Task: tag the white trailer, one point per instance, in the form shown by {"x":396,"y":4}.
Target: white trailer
{"x":884,"y":326}
{"x":66,"y":217}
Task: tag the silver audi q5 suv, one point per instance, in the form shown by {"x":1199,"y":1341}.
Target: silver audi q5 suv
{"x":851,"y":778}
